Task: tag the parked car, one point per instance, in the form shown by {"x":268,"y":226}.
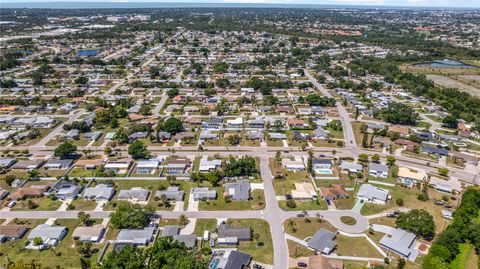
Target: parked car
{"x":302,"y":264}
{"x":12,"y":204}
{"x":257,"y":266}
{"x":288,"y":196}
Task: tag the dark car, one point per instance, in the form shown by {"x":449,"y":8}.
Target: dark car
{"x":300,"y":215}
{"x":257,"y":266}
{"x":288,"y":196}
{"x":448,"y":206}
{"x":302,"y":264}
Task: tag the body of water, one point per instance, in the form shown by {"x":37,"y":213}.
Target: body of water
{"x":446,"y":63}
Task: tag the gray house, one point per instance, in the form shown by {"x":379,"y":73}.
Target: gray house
{"x":400,"y":242}
{"x":50,"y":235}
{"x":378,"y":170}
{"x":172,"y":193}
{"x":238,"y":191}
{"x":323,"y":241}
{"x":101,"y":192}
{"x":201,"y":193}
{"x":136,"y":237}
{"x":228,"y":235}
{"x":65,"y":190}
{"x":373,"y":194}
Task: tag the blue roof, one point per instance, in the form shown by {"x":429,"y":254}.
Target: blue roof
{"x":86,"y":53}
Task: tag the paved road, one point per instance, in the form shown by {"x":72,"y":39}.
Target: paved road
{"x":158,"y":107}
{"x":345,"y":118}
{"x":59,"y":129}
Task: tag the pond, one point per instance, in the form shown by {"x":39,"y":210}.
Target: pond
{"x":446,"y":63}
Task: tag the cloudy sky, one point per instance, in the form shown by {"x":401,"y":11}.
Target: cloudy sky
{"x":428,"y":3}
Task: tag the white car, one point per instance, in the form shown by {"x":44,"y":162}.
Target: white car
{"x":12,"y":204}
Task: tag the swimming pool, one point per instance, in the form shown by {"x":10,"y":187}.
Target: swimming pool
{"x":214,"y":264}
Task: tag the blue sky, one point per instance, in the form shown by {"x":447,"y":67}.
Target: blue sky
{"x":428,"y":3}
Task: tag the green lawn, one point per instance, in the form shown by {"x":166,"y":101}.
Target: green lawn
{"x":355,"y":246}
{"x":304,"y":229}
{"x":467,"y":258}
{"x":43,"y":204}
{"x":66,"y":255}
{"x":295,"y":250}
{"x":81,"y":204}
{"x":305,"y":205}
{"x":205,"y":225}
{"x":260,"y":252}
{"x":256,"y":202}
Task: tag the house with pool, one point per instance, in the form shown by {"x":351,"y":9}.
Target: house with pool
{"x":322,"y":166}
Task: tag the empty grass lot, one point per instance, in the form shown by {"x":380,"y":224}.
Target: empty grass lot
{"x":305,"y":229}
{"x":355,"y":246}
{"x":42,"y":204}
{"x":262,"y":253}
{"x":203,"y":225}
{"x":295,"y":250}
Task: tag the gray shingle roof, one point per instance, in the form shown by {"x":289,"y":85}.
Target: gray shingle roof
{"x":323,"y":241}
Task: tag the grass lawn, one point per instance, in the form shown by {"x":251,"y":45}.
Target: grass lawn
{"x":205,"y":225}
{"x":260,"y":252}
{"x":306,"y":229}
{"x":256,"y":202}
{"x":295,"y":250}
{"x":355,"y":246}
{"x":81,"y":204}
{"x":354,"y":264}
{"x":274,"y":143}
{"x":467,"y":258}
{"x":409,"y":197}
{"x":305,"y":205}
{"x":348,"y":203}
{"x":285,"y":186}
{"x":80,"y":172}
{"x":66,"y":255}
{"x":43,"y":204}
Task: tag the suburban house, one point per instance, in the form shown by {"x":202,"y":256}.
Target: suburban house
{"x":277,"y":136}
{"x":58,"y":164}
{"x":63,"y":189}
{"x":401,"y":130}
{"x":101,"y":192}
{"x":323,"y":241}
{"x":378,"y":170}
{"x":293,"y":165}
{"x":304,"y":191}
{"x":235,"y":123}
{"x":434,"y":150}
{"x":409,"y":178}
{"x":135,"y":194}
{"x":370,"y":193}
{"x":348,"y":167}
{"x":297,"y":123}
{"x":91,"y":234}
{"x":118,"y":166}
{"x":206,"y":165}
{"x":203,"y":193}
{"x":177,"y":167}
{"x":400,"y":242}
{"x":228,"y":235}
{"x":322,"y":166}
{"x":232,"y":259}
{"x":6,"y":163}
{"x":238,"y":191}
{"x":28,"y":192}
{"x":50,"y":235}
{"x":147,"y":166}
{"x":334,"y":192}
{"x":89,"y":164}
{"x":189,"y":240}
{"x":28,"y":164}
{"x":12,"y":232}
{"x":136,"y":237}
{"x":171,"y":193}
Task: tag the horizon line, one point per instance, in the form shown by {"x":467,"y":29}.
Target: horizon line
{"x":224,"y":4}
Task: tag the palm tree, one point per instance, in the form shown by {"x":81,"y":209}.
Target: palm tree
{"x":292,"y":226}
{"x":183,"y":220}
